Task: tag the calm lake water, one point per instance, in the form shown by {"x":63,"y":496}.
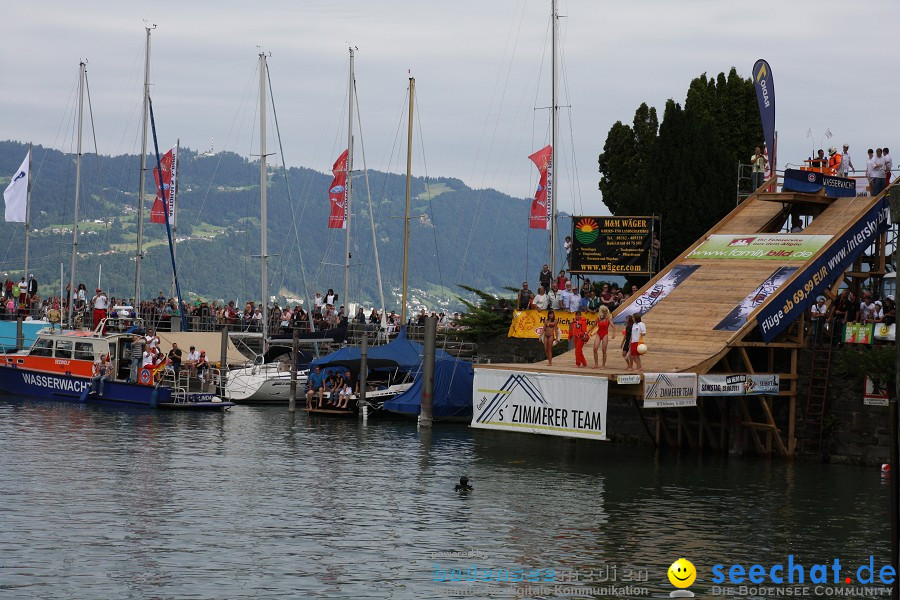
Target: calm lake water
{"x":257,"y":503}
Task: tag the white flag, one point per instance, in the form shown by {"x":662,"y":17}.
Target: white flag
{"x":16,"y":194}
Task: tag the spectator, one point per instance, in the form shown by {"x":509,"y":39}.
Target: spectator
{"x":541,"y":300}
{"x":606,"y":297}
{"x":546,"y":277}
{"x":758,"y":163}
{"x":890,"y":311}
{"x":846,"y":162}
{"x":878,"y":172}
{"x":568,"y":246}
{"x":575,"y":302}
{"x":193,"y":358}
{"x":878,"y":313}
{"x":137,"y":354}
{"x":525,"y":297}
{"x":888,"y":165}
{"x":561,"y":280}
{"x":818,"y":313}
{"x":553,"y":297}
{"x":866,"y":308}
{"x":175,"y":356}
{"x":870,"y":167}
{"x":565,"y":296}
{"x":796,"y":224}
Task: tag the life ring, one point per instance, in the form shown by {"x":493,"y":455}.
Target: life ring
{"x":145,"y":377}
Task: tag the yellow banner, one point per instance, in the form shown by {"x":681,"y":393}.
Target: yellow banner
{"x":530,"y":323}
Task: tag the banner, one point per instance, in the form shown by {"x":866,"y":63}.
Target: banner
{"x":800,"y":294}
{"x":670,"y":390}
{"x":540,"y":207}
{"x":169,"y":163}
{"x":611,"y":245}
{"x":777,"y":246}
{"x":550,"y":404}
{"x":811,"y":182}
{"x":765,"y":98}
{"x":885,"y":332}
{"x":859,"y":333}
{"x":737,"y":318}
{"x":530,"y":323}
{"x":739,"y":385}
{"x":659,"y":290}
{"x":16,"y":193}
{"x":337,"y":193}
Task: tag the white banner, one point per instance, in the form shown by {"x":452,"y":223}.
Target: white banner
{"x":564,"y":405}
{"x":885,"y":333}
{"x":16,"y":193}
{"x":739,"y":385}
{"x":670,"y":390}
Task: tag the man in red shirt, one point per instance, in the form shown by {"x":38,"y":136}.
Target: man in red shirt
{"x":578,"y":331}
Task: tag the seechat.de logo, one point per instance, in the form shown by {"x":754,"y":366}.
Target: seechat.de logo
{"x":682,"y":574}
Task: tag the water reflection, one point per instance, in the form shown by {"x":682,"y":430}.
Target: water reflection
{"x":264,"y":503}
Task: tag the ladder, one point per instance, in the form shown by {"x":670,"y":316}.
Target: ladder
{"x":817,"y":392}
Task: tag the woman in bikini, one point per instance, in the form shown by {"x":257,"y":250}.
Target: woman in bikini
{"x":550,"y":335}
{"x":604,"y":333}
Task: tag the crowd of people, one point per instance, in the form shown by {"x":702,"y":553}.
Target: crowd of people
{"x":833,"y":317}
{"x":561,"y":293}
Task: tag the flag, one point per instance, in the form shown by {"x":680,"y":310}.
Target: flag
{"x":158,"y":211}
{"x":337,"y":193}
{"x":540,"y":207}
{"x":16,"y":193}
{"x":765,"y":98}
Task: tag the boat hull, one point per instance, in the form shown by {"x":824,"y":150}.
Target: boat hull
{"x":72,"y":388}
{"x":250,"y":386}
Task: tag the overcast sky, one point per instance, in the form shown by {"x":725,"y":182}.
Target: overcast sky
{"x":482,"y":68}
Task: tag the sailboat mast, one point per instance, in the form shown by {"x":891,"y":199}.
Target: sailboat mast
{"x":409,"y":140}
{"x":349,"y":186}
{"x":72,"y":289}
{"x":554,"y":126}
{"x":262,"y":199}
{"x":142,"y":182}
{"x":28,"y":211}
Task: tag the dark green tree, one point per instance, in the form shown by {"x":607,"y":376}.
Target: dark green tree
{"x":487,"y":319}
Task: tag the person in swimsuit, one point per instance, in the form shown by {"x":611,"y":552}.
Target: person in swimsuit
{"x":550,"y":335}
{"x":626,"y":342}
{"x":604,"y":333}
{"x":638,"y":331}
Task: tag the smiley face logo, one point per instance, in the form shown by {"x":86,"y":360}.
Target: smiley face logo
{"x":682,"y":573}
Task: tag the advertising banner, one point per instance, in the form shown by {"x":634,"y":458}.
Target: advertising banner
{"x":541,"y":217}
{"x":885,"y":332}
{"x":670,"y":390}
{"x":165,"y":185}
{"x":745,"y":384}
{"x":550,"y":404}
{"x":859,"y":333}
{"x":765,"y":98}
{"x":795,"y":297}
{"x":736,"y":319}
{"x":659,"y":290}
{"x":530,"y":323}
{"x":810,"y":182}
{"x":777,"y":246}
{"x":337,"y":193}
{"x":611,"y":245}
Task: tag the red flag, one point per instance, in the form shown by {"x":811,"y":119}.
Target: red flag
{"x":540,"y":207}
{"x":158,"y":211}
{"x":337,"y":193}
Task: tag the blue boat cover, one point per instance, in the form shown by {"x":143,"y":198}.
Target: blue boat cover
{"x":400,"y":352}
{"x":453,"y":378}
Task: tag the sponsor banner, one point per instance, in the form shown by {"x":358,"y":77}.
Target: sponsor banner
{"x":765,"y":98}
{"x":550,"y":404}
{"x":611,"y":245}
{"x":886,"y":333}
{"x":659,"y":290}
{"x":781,"y":247}
{"x":739,"y":385}
{"x":540,"y":207}
{"x":337,"y":193}
{"x":876,"y":392}
{"x":530,"y":323}
{"x":811,"y":182}
{"x":165,"y":188}
{"x":738,"y":315}
{"x":859,"y":333}
{"x":798,"y":295}
{"x":670,"y":390}
{"x":628,"y":379}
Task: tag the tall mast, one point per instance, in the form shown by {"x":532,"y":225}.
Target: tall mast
{"x":554,"y":126}
{"x":349,"y":186}
{"x":142,"y":182}
{"x":409,"y":139}
{"x":72,"y":289}
{"x":27,"y":211}
{"x":262,"y":199}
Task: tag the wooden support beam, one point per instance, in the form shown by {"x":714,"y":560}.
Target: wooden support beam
{"x":767,"y":409}
{"x":751,"y":426}
{"x":792,"y":407}
{"x":683,"y":426}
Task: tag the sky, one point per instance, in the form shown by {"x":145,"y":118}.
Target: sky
{"x":482,"y":71}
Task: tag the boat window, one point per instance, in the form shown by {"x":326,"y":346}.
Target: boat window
{"x":63,"y":348}
{"x":84,"y":351}
{"x":43,"y":347}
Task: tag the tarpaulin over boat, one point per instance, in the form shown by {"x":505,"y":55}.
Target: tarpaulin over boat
{"x":453,"y":378}
{"x":400,"y":352}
